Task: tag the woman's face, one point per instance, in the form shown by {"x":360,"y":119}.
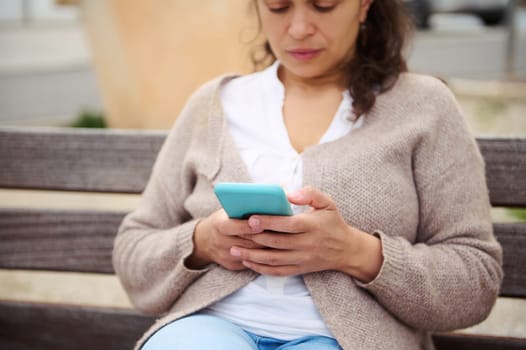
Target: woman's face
{"x":312,"y":38}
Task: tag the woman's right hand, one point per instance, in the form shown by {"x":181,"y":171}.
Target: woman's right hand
{"x":213,"y":238}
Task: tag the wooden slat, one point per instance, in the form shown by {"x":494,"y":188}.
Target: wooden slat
{"x":456,"y":341}
{"x":77,"y":160}
{"x":505,"y":170}
{"x":57,"y":240}
{"x":36,"y":239}
{"x":512,"y":237}
{"x":120,"y":161}
{"x":26,"y":326}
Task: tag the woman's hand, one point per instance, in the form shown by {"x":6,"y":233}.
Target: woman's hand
{"x":316,"y":240}
{"x":213,"y":239}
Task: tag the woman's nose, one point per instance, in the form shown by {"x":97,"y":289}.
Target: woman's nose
{"x":300,"y":25}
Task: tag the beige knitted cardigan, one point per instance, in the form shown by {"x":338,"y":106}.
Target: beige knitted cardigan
{"x":412,"y":174}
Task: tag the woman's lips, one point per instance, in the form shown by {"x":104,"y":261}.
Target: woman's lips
{"x":304,"y":54}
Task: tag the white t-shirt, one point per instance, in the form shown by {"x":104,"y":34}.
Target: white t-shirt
{"x":277,"y":307}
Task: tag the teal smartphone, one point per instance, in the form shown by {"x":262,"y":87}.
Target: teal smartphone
{"x":240,"y":200}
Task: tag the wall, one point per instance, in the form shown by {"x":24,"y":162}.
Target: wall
{"x":149,"y":56}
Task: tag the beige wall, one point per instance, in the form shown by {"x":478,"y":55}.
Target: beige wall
{"x":150,"y":55}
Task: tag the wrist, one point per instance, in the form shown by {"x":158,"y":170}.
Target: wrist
{"x":365,"y":260}
{"x":199,"y":257}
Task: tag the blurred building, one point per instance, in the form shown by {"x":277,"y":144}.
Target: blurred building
{"x":139,"y":61}
{"x":148,"y":57}
{"x":46,"y":76}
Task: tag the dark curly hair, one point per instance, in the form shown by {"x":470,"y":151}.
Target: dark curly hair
{"x":378,"y":59}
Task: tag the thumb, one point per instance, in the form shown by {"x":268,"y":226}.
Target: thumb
{"x":312,"y":197}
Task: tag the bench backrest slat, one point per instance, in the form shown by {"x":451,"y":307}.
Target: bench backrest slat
{"x":36,"y":239}
{"x":114,"y":161}
{"x":93,"y":161}
{"x":505,"y":170}
{"x":57,"y":240}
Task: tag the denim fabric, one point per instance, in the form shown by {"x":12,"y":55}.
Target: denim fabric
{"x":304,"y":343}
{"x":206,"y":332}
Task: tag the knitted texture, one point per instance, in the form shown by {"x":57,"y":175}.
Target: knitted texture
{"x":412,"y":175}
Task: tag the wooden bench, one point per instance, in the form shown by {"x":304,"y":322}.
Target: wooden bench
{"x":81,"y":241}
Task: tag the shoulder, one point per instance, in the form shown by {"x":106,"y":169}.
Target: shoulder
{"x":420,"y":99}
{"x":243,"y":89}
{"x":424,"y":110}
{"x":203,"y":102}
{"x":428,"y":108}
{"x":226,"y":86}
{"x":210,"y":90}
{"x":417,"y":87}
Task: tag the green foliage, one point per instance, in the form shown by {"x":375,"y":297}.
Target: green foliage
{"x":518,"y":214}
{"x":90,"y":119}
{"x":490,"y":109}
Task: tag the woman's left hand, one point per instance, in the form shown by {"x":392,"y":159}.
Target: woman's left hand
{"x":316,"y":240}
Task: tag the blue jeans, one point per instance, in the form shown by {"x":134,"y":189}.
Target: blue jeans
{"x":206,"y":332}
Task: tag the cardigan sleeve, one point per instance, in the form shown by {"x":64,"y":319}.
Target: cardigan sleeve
{"x":155,"y":238}
{"x":450,"y":277}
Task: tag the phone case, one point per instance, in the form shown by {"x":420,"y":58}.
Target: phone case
{"x":240,"y":200}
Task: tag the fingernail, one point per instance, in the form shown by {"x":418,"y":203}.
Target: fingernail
{"x":296,"y":195}
{"x":235,"y":252}
{"x":253,"y":223}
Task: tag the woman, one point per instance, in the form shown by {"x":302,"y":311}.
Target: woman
{"x":392,"y":237}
